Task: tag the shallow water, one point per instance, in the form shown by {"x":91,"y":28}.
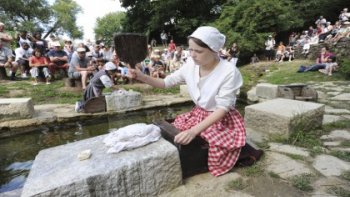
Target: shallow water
{"x":17,"y":153}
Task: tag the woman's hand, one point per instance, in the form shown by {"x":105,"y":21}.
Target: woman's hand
{"x":185,"y":137}
{"x":135,"y":73}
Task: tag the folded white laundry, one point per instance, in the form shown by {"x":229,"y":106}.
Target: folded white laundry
{"x":131,"y":136}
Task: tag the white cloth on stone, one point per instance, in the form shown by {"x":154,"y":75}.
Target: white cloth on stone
{"x":131,"y":136}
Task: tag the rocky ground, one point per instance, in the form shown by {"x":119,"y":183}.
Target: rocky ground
{"x":287,"y":169}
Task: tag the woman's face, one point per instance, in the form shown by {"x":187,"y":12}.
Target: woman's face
{"x":201,"y":56}
{"x":37,"y":53}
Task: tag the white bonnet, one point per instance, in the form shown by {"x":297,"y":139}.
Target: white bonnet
{"x":210,"y":36}
{"x":110,"y":66}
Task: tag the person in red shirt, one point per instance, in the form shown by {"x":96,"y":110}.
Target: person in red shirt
{"x":39,"y":65}
{"x":172,"y":47}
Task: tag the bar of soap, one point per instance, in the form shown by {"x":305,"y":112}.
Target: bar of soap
{"x":85,"y":154}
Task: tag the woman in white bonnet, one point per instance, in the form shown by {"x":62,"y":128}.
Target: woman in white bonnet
{"x":212,"y":84}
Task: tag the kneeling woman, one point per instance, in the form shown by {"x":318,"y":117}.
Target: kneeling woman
{"x":102,"y":79}
{"x":212,"y":84}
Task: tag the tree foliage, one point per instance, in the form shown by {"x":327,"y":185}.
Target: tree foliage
{"x":249,"y":22}
{"x":108,"y":25}
{"x":180,"y":17}
{"x":34,"y":15}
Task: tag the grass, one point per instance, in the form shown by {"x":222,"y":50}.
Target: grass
{"x":274,"y":175}
{"x":303,"y":182}
{"x":55,"y":93}
{"x":339,"y":191}
{"x":254,"y":170}
{"x":238,"y":184}
{"x":346,"y":175}
{"x":341,"y":155}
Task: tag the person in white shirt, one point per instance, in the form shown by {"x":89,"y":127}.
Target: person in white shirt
{"x":212,"y":83}
{"x":22,"y":58}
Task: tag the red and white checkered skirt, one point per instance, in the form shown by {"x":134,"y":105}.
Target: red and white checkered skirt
{"x":225,"y":137}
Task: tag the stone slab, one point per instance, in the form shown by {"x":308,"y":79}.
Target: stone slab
{"x":337,"y":135}
{"x":122,"y":100}
{"x":266,"y":91}
{"x":16,"y":108}
{"x":145,"y":171}
{"x":342,"y":97}
{"x":283,"y":116}
{"x":330,"y":166}
{"x":283,"y":148}
{"x":285,"y":166}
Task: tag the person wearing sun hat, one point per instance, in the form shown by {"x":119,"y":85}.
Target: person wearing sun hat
{"x":102,"y":79}
{"x":212,"y":84}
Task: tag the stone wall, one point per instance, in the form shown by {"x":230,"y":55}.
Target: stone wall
{"x":341,"y":49}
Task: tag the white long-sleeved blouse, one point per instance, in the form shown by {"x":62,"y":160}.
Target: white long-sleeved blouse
{"x":216,"y":90}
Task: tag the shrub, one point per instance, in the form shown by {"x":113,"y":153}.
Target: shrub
{"x":345,"y":68}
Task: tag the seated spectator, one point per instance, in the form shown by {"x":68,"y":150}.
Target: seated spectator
{"x":326,"y":31}
{"x":58,"y":59}
{"x":97,"y":53}
{"x":102,"y":79}
{"x":306,"y":48}
{"x":178,"y":60}
{"x":40,"y":43}
{"x":280,"y":52}
{"x":289,"y":53}
{"x":5,"y":37}
{"x":39,"y":67}
{"x":324,"y":55}
{"x":321,"y":21}
{"x":254,"y":59}
{"x":172,"y":48}
{"x":233,"y":54}
{"x":107,"y":53}
{"x":23,"y":37}
{"x":79,"y":67}
{"x":22,"y":58}
{"x":343,"y":32}
{"x":158,"y":70}
{"x":330,"y":67}
{"x":51,"y":44}
{"x":6,"y":61}
{"x":68,"y":48}
{"x":344,"y":16}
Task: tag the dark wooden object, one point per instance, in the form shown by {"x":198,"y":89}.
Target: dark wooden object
{"x":3,"y":75}
{"x":131,"y":47}
{"x":96,"y":104}
{"x":297,"y":92}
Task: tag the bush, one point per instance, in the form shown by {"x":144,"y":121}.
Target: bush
{"x":345,"y":68}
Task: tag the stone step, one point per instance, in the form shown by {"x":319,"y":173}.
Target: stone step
{"x":16,"y":108}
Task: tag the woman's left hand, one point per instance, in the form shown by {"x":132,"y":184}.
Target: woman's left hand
{"x":184,"y":137}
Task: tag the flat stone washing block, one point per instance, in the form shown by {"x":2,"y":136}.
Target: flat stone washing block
{"x":16,"y":108}
{"x":283,"y":116}
{"x":123,"y":100}
{"x":146,"y":171}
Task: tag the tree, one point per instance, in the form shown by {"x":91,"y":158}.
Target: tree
{"x":180,"y":17}
{"x":249,"y":22}
{"x":25,"y":15}
{"x":109,"y":25}
{"x":64,"y":18}
{"x":36,"y":15}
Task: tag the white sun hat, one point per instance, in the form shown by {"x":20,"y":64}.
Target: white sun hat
{"x":210,"y":36}
{"x":110,"y":66}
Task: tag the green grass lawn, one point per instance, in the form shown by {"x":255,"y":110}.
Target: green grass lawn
{"x":283,"y":73}
{"x":271,"y":72}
